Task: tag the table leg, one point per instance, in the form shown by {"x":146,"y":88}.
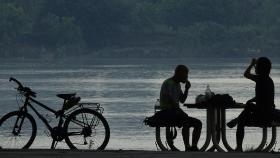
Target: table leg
{"x":208,"y":131}
{"x":224,"y":138}
{"x":214,"y":131}
{"x":218,"y":126}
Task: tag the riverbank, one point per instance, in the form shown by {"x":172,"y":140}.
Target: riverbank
{"x":42,"y":153}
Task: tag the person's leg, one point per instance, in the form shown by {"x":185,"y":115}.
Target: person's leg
{"x":251,"y":119}
{"x":197,"y":125}
{"x":245,"y":118}
{"x":239,"y":136}
{"x":248,"y":109}
{"x":182,"y":118}
{"x":187,"y":123}
{"x":186,"y":135}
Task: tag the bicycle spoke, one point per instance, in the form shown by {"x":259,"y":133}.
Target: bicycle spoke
{"x":80,"y":123}
{"x":83,"y":119}
{"x":91,"y":135}
{"x":74,"y":133}
{"x":96,"y":142}
{"x":92,"y":121}
{"x":86,"y":118}
{"x":9,"y":141}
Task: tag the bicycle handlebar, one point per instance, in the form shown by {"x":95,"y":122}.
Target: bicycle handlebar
{"x":15,"y":80}
{"x":27,"y":90}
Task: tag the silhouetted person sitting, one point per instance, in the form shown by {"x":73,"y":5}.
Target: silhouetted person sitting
{"x":260,"y":113}
{"x":170,"y":96}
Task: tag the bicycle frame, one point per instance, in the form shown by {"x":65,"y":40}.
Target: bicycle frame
{"x":59,"y":113}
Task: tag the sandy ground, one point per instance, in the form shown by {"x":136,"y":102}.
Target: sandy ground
{"x":127,"y":154}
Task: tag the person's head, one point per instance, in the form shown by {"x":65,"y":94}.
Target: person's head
{"x":181,"y":73}
{"x":263,"y":66}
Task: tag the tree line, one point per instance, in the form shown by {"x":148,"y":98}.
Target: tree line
{"x":148,"y":28}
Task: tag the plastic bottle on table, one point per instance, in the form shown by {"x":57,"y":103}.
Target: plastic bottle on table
{"x":157,"y":105}
{"x":208,"y":92}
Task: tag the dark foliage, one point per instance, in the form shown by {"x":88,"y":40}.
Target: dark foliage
{"x":131,"y":27}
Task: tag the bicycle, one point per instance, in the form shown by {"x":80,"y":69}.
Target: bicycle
{"x":81,"y":125}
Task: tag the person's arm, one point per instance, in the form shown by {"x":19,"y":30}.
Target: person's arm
{"x":184,"y":95}
{"x":251,"y":100}
{"x":248,"y":73}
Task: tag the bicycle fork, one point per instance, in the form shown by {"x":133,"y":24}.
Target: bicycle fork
{"x":18,"y":124}
{"x":23,"y":111}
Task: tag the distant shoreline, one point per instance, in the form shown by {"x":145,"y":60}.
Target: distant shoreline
{"x":90,"y":57}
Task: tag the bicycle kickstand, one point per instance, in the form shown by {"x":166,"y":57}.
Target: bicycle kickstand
{"x":54,"y":144}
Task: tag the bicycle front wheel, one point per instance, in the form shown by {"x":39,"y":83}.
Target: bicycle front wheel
{"x":17,"y":130}
{"x":86,"y":129}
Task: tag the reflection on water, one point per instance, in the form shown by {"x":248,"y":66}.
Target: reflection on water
{"x":127,"y":89}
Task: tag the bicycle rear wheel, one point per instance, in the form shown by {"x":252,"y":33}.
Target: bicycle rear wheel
{"x":87,"y":129}
{"x":17,"y":130}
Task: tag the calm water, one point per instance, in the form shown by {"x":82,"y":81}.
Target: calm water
{"x":128,"y":89}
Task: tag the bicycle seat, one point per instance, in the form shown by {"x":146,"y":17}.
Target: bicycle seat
{"x":66,"y":96}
